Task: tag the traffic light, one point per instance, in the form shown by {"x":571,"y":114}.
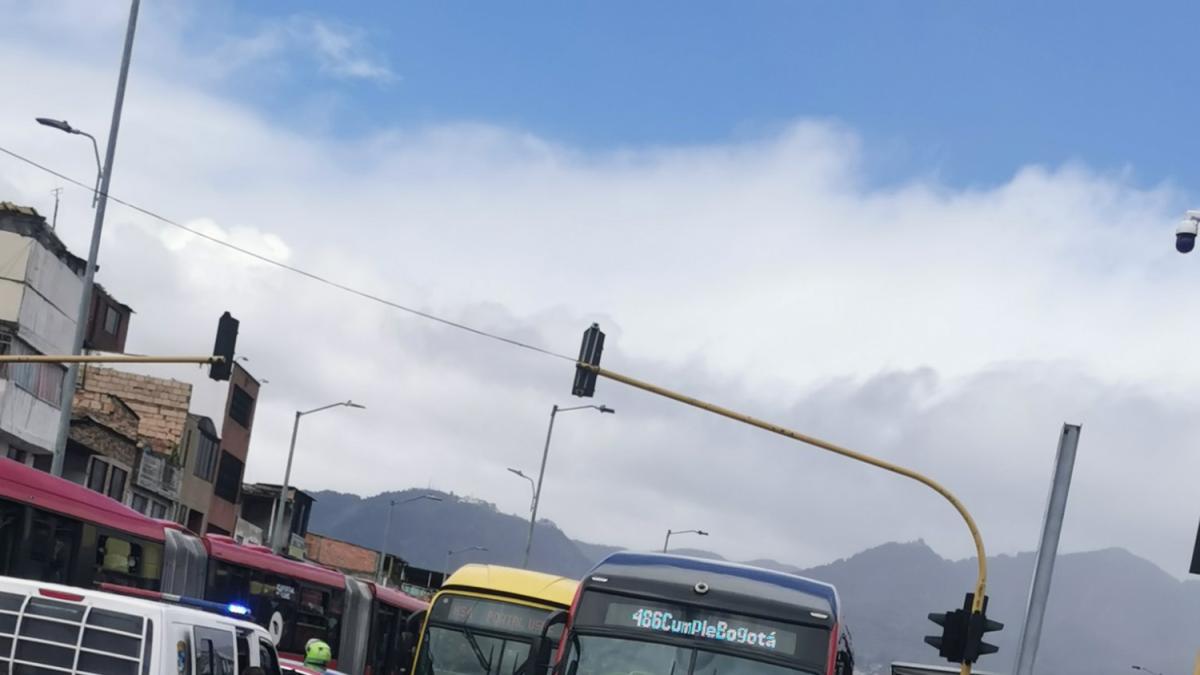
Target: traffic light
{"x":979,"y":626}
{"x":961,"y":640}
{"x":227,"y":330}
{"x":951,"y":643}
{"x":589,"y":353}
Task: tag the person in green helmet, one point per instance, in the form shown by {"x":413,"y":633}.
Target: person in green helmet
{"x":317,"y":655}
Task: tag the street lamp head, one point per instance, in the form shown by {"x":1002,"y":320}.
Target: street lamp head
{"x":432,"y":498}
{"x":61,"y":125}
{"x":517,"y":472}
{"x":702,"y":533}
{"x":606,"y":409}
{"x":352,"y":404}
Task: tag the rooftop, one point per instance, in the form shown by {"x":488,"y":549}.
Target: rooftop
{"x":27,"y":222}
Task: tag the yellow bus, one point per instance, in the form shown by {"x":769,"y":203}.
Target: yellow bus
{"x":484,"y":619}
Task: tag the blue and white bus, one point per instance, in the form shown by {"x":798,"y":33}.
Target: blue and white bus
{"x":657,"y":614}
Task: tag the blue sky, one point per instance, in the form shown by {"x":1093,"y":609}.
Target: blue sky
{"x":894,"y":225}
{"x":968,"y":91}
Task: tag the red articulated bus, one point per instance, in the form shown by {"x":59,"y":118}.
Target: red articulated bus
{"x":57,"y":531}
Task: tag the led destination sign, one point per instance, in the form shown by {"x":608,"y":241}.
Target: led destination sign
{"x":698,"y":623}
{"x":490,"y":615}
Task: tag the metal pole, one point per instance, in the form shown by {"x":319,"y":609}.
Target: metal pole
{"x":277,"y":536}
{"x":666,"y":541}
{"x":387,"y":532}
{"x":537,"y":493}
{"x":85,"y":298}
{"x":1056,"y":506}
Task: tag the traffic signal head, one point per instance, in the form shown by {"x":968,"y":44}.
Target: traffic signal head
{"x":962,"y":635}
{"x":977,"y":627}
{"x":589,"y":353}
{"x":951,"y":642}
{"x":227,"y":330}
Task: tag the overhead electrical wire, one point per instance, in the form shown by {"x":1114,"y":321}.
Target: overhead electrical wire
{"x":291,"y":268}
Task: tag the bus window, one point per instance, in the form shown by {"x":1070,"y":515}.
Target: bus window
{"x":10,"y":527}
{"x":128,"y":561}
{"x":319,"y":615}
{"x":385,"y":639}
{"x":304,"y":612}
{"x":53,"y":543}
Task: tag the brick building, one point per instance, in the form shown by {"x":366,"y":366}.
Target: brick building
{"x":349,"y":558}
{"x":363,"y":562}
{"x":125,"y":440}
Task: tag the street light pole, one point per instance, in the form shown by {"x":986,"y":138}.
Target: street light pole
{"x":85,"y":298}
{"x":278,"y":541}
{"x":537,"y":492}
{"x":461,"y":550}
{"x":532,"y":485}
{"x":667,"y":541}
{"x":387,"y":529}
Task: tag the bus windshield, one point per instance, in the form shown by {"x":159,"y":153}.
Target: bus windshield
{"x":622,"y":635}
{"x":603,"y":655}
{"x":467,"y":635}
{"x":462,"y":651}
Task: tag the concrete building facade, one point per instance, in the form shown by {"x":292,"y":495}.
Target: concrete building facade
{"x":240,"y":406}
{"x":40,"y":285}
{"x":201,"y":451}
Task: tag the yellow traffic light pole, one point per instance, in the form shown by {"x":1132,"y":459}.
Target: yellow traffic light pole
{"x":981,"y":581}
{"x":107,"y":358}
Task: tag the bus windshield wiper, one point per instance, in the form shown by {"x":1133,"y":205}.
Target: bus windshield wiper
{"x":484,"y":661}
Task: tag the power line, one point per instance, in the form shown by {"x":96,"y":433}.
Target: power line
{"x":291,"y":268}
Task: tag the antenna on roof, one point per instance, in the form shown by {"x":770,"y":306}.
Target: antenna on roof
{"x":54,"y":221}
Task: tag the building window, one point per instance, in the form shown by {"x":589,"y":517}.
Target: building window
{"x":43,"y":380}
{"x":112,"y":320}
{"x":107,"y":478}
{"x":97,"y":475}
{"x":229,"y":478}
{"x":150,"y":506}
{"x":206,"y":457}
{"x":241,"y":407}
{"x":116,"y":483}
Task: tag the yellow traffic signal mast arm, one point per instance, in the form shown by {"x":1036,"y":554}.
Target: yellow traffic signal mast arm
{"x":106,"y":358}
{"x":981,"y":581}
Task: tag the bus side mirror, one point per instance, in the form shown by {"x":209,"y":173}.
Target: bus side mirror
{"x":541,"y":650}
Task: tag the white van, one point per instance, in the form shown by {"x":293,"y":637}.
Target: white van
{"x":46,"y":629}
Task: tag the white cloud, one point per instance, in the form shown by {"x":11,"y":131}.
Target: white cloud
{"x":953,"y":330}
{"x":343,"y":51}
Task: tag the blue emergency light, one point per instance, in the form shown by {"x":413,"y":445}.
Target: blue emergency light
{"x":232,"y":608}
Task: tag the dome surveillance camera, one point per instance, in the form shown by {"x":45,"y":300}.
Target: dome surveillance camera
{"x":1185,"y":235}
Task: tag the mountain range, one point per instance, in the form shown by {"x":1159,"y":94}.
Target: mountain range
{"x":1108,"y":609}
